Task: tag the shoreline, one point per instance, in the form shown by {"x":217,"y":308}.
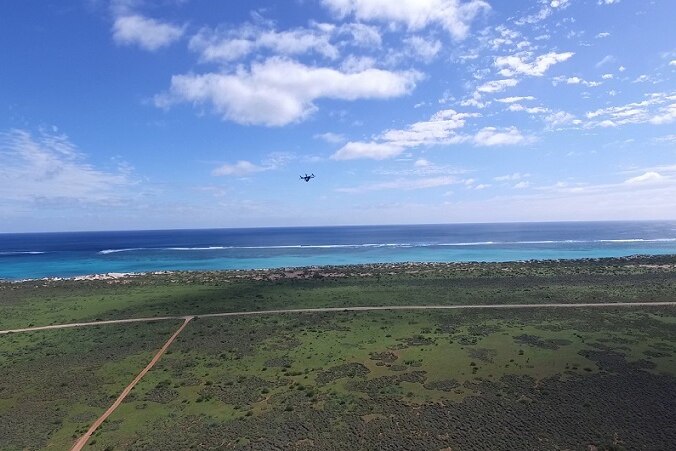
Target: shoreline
{"x":667,"y":261}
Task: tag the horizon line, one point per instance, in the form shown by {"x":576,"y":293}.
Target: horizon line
{"x":568,"y":221}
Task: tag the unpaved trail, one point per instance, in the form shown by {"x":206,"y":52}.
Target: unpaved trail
{"x":85,"y":438}
{"x":346,"y":309}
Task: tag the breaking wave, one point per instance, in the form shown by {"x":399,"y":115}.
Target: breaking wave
{"x":388,"y":245}
{"x":11,"y":253}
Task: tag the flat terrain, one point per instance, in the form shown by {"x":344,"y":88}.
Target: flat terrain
{"x":44,"y":302}
{"x":527,"y":378}
{"x":55,"y":383}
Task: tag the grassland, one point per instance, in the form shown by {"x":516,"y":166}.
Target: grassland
{"x":392,"y":380}
{"x":55,"y":383}
{"x":461,"y":379}
{"x":44,"y":302}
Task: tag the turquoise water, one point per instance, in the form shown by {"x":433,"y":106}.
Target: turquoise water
{"x":79,"y":253}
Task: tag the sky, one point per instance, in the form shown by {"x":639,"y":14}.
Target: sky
{"x":135,"y":114}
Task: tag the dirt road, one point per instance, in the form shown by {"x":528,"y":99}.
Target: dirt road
{"x":346,"y":309}
{"x":85,"y":438}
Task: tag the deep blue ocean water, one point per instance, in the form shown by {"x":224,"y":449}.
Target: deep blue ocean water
{"x":39,"y":255}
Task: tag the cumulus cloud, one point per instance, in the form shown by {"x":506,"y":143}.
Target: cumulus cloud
{"x":149,"y":34}
{"x":214,"y":45}
{"x":454,"y":16}
{"x":369,"y":150}
{"x":576,"y":81}
{"x":240,"y":169}
{"x":439,"y":129}
{"x":279,"y":91}
{"x":497,"y":85}
{"x":529,"y":110}
{"x":492,"y":136}
{"x":646,"y":178}
{"x":50,"y":168}
{"x":515,"y":99}
{"x":560,"y":119}
{"x":512,"y":65}
{"x":657,"y":108}
{"x":665,"y":115}
{"x":425,"y":49}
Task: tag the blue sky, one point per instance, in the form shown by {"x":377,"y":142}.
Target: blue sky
{"x":132,"y":114}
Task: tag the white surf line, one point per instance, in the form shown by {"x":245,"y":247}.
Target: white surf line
{"x":346,"y":309}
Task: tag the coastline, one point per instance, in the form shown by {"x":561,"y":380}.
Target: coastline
{"x":660,"y":261}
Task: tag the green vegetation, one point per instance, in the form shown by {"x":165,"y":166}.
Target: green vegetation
{"x":527,"y":379}
{"x":607,"y":280}
{"x":461,"y":379}
{"x":55,"y":383}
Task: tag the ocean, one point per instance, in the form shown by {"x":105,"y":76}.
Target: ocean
{"x":38,"y":255}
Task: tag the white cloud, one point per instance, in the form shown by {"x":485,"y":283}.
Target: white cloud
{"x":519,"y":64}
{"x":49,"y":168}
{"x":475,"y":101}
{"x":657,"y":108}
{"x":561,"y":118}
{"x":539,"y":16}
{"x":279,"y":91}
{"x":425,"y":49}
{"x":672,"y":63}
{"x":497,"y":85}
{"x":529,"y":110}
{"x":149,"y":34}
{"x":440,"y":129}
{"x":362,"y":34}
{"x":641,"y":79}
{"x":353,"y":64}
{"x":522,"y":185}
{"x":452,"y":15}
{"x":369,"y":150}
{"x":331,"y":138}
{"x":491,"y":136}
{"x":602,"y":35}
{"x":514,"y":99}
{"x":406,"y":184}
{"x":665,"y":115}
{"x":240,"y":169}
{"x":511,"y":177}
{"x":213,"y":45}
{"x":607,"y":76}
{"x":575,"y":81}
{"x":608,"y":2}
{"x":645,"y":178}
{"x":669,"y":139}
{"x":605,"y":60}
{"x":559,"y":3}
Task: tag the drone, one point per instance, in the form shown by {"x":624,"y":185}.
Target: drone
{"x":307,"y":177}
